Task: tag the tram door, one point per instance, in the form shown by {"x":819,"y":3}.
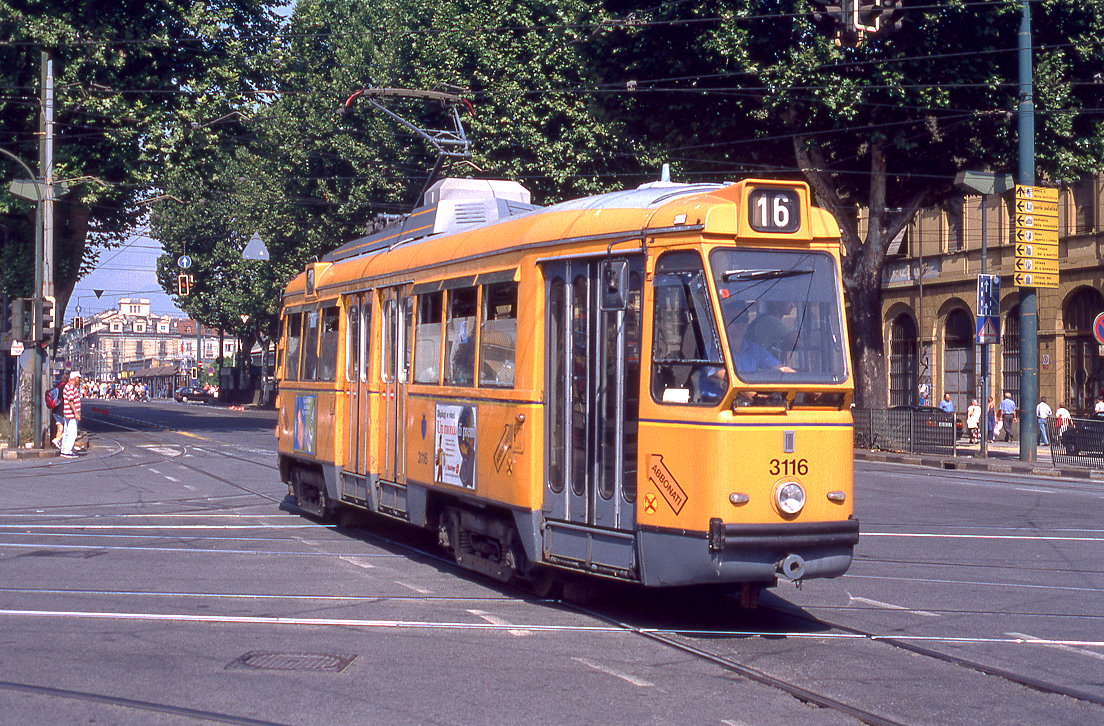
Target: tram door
{"x":592,"y":385}
{"x":396,"y":323}
{"x":358,"y":327}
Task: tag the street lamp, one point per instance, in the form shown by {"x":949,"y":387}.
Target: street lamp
{"x":985,"y":183}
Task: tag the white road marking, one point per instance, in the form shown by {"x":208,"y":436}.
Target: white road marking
{"x":495,"y":620}
{"x":421,"y":590}
{"x":640,"y":682}
{"x":891,"y":606}
{"x":1032,"y":640}
{"x":730,"y":722}
{"x":358,"y":561}
{"x":163,"y":450}
{"x":1027,"y":537}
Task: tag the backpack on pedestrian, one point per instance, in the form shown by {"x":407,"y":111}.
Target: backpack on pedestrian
{"x":53,"y":398}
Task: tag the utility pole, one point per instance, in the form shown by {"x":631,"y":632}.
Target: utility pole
{"x":44,"y":239}
{"x":1029,"y":316}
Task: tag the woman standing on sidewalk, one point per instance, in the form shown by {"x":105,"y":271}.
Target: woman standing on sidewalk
{"x":973,"y":420}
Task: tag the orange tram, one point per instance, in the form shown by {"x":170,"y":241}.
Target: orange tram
{"x":650,"y":385}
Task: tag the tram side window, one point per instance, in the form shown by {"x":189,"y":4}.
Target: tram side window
{"x":310,"y":345}
{"x":352,"y":343}
{"x":327,"y":357}
{"x":427,"y":338}
{"x":294,"y":340}
{"x":688,"y":365}
{"x":463,"y":307}
{"x":498,"y":335}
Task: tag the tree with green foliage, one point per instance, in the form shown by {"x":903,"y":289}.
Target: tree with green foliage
{"x":307,"y":177}
{"x":739,"y":87}
{"x":137,"y":81}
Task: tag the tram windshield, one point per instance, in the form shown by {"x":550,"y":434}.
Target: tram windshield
{"x":781,"y":315}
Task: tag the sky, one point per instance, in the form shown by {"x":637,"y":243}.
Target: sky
{"x":126,"y":271}
{"x":130,"y":270}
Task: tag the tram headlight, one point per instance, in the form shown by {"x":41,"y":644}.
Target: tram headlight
{"x":789,"y":497}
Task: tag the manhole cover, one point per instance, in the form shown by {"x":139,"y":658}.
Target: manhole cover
{"x":264,"y":660}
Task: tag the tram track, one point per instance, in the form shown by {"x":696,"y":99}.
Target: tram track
{"x":1036,"y":684}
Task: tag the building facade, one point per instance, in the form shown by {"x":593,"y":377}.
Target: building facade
{"x":930,"y":289}
{"x":116,"y":344}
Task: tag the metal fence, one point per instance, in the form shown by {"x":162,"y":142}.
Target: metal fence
{"x":909,"y":430}
{"x":1081,"y":443}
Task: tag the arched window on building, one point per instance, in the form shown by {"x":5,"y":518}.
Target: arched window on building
{"x":958,"y":359}
{"x":1010,"y":354}
{"x":903,"y":361}
{"x":1084,"y":365}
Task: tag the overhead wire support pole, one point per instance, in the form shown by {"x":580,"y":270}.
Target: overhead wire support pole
{"x":1029,"y":316}
{"x":44,"y":240}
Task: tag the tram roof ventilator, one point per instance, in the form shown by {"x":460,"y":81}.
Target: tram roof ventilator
{"x":450,"y":205}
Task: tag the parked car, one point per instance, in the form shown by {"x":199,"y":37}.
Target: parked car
{"x":1085,"y":436}
{"x":191,"y":393}
{"x":935,"y":416}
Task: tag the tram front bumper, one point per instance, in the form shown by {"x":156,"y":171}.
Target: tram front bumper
{"x":734,"y":553}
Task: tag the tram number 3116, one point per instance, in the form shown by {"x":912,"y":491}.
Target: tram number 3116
{"x":789,"y":467}
{"x":774,"y":210}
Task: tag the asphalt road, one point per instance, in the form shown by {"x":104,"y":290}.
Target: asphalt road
{"x":164,"y":579}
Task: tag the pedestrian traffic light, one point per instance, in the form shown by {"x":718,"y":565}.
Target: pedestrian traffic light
{"x":17,"y":319}
{"x":183,"y":284}
{"x":43,"y":323}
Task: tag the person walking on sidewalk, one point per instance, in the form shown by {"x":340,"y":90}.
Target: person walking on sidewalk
{"x":991,"y":421}
{"x":1008,"y":416}
{"x":1062,"y":421}
{"x":71,"y":410}
{"x":1043,"y":412}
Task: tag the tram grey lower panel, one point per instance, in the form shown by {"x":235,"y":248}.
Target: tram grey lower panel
{"x":594,"y":549}
{"x":670,"y":559}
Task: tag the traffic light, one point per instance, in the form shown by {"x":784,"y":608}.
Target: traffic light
{"x":893,"y":16}
{"x":78,"y":322}
{"x":829,"y":15}
{"x":183,"y":284}
{"x":867,"y":16}
{"x":193,"y":373}
{"x":43,"y":323}
{"x":17,"y":319}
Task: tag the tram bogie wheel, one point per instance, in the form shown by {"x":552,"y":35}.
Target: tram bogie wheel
{"x":546,"y":583}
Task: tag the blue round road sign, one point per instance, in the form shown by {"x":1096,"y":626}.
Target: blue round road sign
{"x":1098,"y":328}
{"x":184,"y":262}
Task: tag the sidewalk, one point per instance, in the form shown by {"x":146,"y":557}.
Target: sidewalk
{"x":1003,"y":458}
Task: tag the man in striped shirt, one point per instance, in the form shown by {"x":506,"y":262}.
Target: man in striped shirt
{"x":71,"y":411}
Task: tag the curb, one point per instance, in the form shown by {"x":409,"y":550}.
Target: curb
{"x":10,"y":454}
{"x":981,"y":465}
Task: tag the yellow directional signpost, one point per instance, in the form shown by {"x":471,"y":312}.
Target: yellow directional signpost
{"x":1036,"y":236}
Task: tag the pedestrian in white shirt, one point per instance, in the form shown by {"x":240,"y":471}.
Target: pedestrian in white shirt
{"x":1043,"y":412}
{"x":1062,"y":421}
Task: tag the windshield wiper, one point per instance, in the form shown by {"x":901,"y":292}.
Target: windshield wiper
{"x":749,"y":275}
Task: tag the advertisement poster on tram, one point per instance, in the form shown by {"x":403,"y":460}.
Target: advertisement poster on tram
{"x":454,"y":446}
{"x":303,"y":434}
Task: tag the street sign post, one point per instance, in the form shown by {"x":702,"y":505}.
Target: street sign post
{"x":1098,"y":328}
{"x":987,"y":326}
{"x":1036,"y":236}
